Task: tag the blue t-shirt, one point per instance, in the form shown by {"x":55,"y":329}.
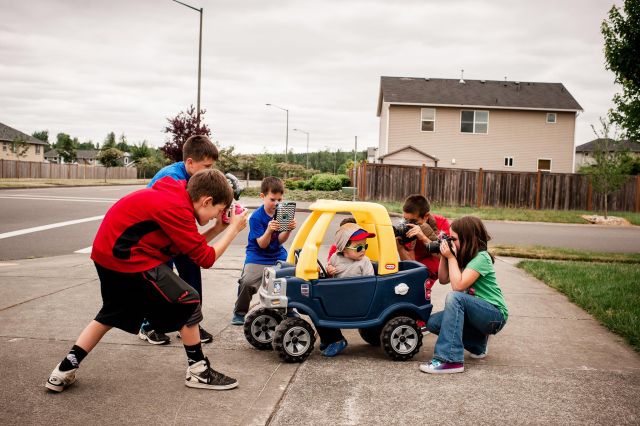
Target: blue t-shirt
{"x":176,"y":170}
{"x":258,"y":223}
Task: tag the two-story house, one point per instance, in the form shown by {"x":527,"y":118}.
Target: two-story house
{"x":585,"y":152}
{"x":32,"y":149}
{"x":471,"y":124}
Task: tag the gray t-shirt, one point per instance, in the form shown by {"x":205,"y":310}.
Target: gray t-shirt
{"x":346,"y":267}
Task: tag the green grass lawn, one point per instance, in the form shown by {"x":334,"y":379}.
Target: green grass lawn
{"x":556,"y":253}
{"x":527,"y":215}
{"x":608,"y":291}
{"x":44,"y":183}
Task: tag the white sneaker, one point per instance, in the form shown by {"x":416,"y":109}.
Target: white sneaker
{"x":201,"y":375}
{"x":60,"y":380}
{"x":480,"y":356}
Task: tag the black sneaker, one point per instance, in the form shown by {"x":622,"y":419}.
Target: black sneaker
{"x":201,"y":375}
{"x":154,"y":337}
{"x":205,"y":336}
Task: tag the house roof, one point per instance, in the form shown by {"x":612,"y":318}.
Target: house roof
{"x":86,"y":154}
{"x":409,"y":147}
{"x":476,"y":93}
{"x":625,"y":144}
{"x":51,"y":153}
{"x":8,"y":134}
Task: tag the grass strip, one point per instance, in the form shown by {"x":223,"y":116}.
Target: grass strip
{"x":609,"y":292}
{"x":556,"y":253}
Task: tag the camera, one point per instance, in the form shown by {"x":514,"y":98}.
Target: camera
{"x":401,"y":228}
{"x":434,"y":246}
{"x":226,"y":214}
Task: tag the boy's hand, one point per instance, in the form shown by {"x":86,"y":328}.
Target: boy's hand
{"x":273,"y":226}
{"x":238,"y":221}
{"x":292,"y":226}
{"x":416,"y":231}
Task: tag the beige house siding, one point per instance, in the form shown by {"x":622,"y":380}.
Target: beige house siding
{"x":382,"y":145}
{"x":6,"y":154}
{"x":409,"y":158}
{"x":523,"y":135}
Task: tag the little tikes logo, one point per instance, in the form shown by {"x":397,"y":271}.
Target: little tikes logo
{"x":390,"y":266}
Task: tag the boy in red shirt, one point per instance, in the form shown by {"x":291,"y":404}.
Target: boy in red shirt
{"x":138,"y":235}
{"x":425,"y":227}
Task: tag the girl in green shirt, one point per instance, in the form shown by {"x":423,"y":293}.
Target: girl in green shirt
{"x":475,"y":308}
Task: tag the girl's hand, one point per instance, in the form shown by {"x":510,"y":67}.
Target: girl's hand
{"x":446,"y":251}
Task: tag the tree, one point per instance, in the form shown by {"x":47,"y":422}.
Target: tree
{"x":227,"y":159}
{"x":109,"y":157}
{"x":66,"y":147}
{"x":140,"y":151}
{"x":19,"y":146}
{"x":265,"y":164}
{"x":109,"y":141}
{"x":611,"y":168}
{"x":247,"y":163}
{"x":86,"y":145}
{"x":42,"y":135}
{"x":180,"y":127}
{"x":622,"y":53}
{"x":123,"y":145}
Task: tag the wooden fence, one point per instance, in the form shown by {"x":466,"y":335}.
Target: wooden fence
{"x":13,"y":169}
{"x":464,"y":187}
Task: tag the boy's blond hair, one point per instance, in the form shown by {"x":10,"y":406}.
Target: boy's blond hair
{"x":210,"y":183}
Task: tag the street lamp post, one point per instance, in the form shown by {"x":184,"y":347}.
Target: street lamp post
{"x":201,"y":11}
{"x":286,"y":138}
{"x":307,"y":133}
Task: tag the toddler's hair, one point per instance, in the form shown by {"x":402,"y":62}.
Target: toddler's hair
{"x":416,"y":204}
{"x":199,"y":148}
{"x":210,"y":183}
{"x":473,"y":238}
{"x":347,"y":220}
{"x":272,"y":184}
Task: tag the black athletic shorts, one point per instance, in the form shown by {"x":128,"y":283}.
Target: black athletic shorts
{"x":158,"y":295}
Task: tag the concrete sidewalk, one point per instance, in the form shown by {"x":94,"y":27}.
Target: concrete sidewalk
{"x":552,"y":363}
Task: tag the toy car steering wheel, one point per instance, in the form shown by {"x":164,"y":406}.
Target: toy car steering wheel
{"x":321,"y":274}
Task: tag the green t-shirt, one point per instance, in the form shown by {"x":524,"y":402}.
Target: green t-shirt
{"x":486,"y":286}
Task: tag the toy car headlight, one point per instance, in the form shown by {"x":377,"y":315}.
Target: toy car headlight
{"x":278,"y":285}
{"x":268,"y":277}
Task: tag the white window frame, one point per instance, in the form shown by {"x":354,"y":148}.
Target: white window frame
{"x":423,"y":120}
{"x":538,"y":164}
{"x":555,"y":118}
{"x":508,"y":160}
{"x":474,"y":122}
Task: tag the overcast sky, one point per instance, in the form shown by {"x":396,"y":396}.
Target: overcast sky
{"x":88,"y":67}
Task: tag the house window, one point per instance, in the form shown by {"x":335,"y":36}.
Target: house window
{"x":544,"y":164}
{"x":474,"y":121}
{"x":508,"y":161}
{"x":428,"y":116}
{"x":4,"y":146}
{"x":551,"y":117}
{"x":37,"y":149}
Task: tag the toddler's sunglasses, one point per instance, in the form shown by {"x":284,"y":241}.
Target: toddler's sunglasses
{"x":359,"y":248}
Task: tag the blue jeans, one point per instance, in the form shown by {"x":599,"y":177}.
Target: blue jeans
{"x":465,"y":323}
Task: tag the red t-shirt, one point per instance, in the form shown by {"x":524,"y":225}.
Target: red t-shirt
{"x":148,"y":227}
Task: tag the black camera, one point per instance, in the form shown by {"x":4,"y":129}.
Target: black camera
{"x":434,"y":246}
{"x":234,"y":183}
{"x":401,"y":228}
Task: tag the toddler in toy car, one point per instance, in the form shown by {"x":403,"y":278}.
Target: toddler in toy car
{"x":349,"y":260}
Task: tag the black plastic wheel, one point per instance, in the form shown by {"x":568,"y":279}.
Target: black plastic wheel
{"x":401,"y":338}
{"x":260,"y":326}
{"x":371,"y":335}
{"x":294,"y":340}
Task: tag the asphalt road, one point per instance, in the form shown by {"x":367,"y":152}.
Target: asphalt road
{"x":23,"y":209}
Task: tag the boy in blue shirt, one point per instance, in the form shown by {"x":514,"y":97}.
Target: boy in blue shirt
{"x":265,"y":246}
{"x":198,"y":153}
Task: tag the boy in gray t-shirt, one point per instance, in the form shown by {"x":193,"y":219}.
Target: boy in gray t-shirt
{"x":349,"y":260}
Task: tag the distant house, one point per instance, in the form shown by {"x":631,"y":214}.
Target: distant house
{"x":470,"y":124}
{"x":87,"y":156}
{"x":584,"y":152}
{"x":52,"y":156}
{"x":34,"y":152}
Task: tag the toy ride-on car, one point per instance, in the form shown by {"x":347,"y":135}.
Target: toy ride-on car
{"x":389,"y":308}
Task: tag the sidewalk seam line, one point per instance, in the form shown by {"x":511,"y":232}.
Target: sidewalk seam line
{"x":45,"y":295}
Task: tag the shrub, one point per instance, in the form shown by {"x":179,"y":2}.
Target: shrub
{"x":307,"y":185}
{"x":345,"y":181}
{"x":291,"y":183}
{"x":326,"y":182}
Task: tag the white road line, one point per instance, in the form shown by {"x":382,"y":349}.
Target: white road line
{"x":61,"y":197}
{"x":51,"y":226}
{"x":97,"y":200}
{"x":86,"y":250}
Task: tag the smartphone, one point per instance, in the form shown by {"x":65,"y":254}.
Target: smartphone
{"x":285,"y":213}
